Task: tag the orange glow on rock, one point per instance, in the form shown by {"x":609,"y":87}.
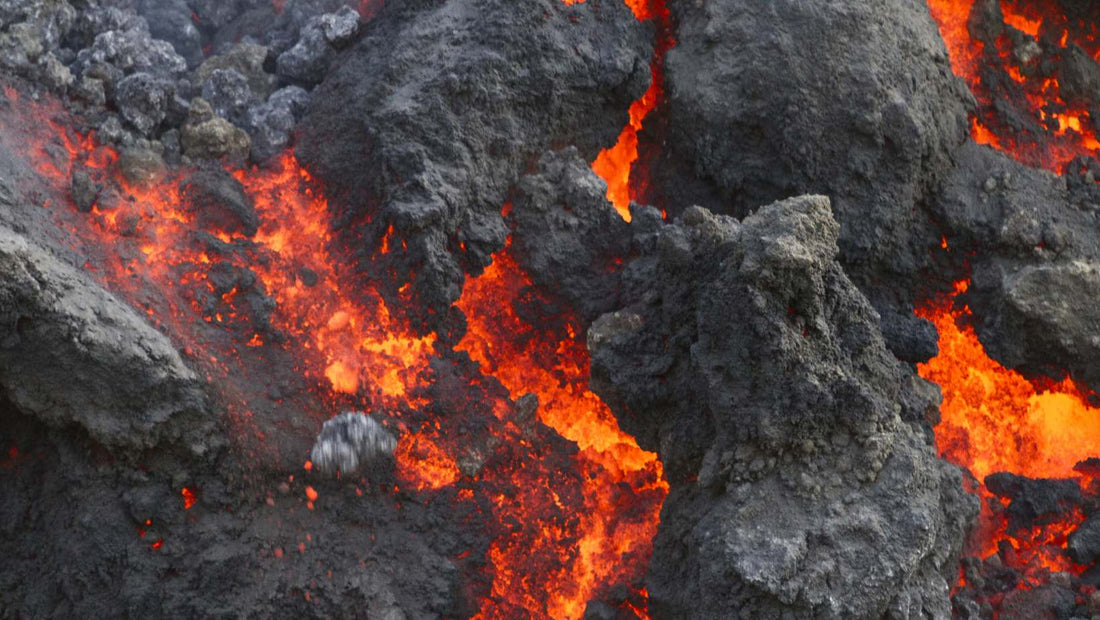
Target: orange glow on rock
{"x":188,"y":498}
{"x":425,"y":464}
{"x":555,"y":368}
{"x":614,"y":164}
{"x":995,"y":420}
{"x":1067,"y":132}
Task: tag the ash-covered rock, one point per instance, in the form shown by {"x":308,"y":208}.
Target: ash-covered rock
{"x":855,"y":101}
{"x":228,"y":93}
{"x":755,"y":368}
{"x":461,"y":97}
{"x":1039,"y":264}
{"x":270,"y":124}
{"x":70,"y":353}
{"x":350,"y":441}
{"x":308,"y":60}
{"x":567,"y":238}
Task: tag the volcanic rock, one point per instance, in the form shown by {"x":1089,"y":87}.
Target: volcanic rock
{"x":350,"y":441}
{"x":141,"y":165}
{"x":228,"y":93}
{"x":1034,"y":502}
{"x":219,"y":203}
{"x":1031,"y":283}
{"x":1043,"y":603}
{"x":450,"y":117}
{"x":244,"y":58}
{"x":1084,"y":543}
{"x":171,"y":21}
{"x":270,"y":123}
{"x":566,"y":236}
{"x":852,"y":100}
{"x":755,"y":368}
{"x":84,"y":191}
{"x":340,"y":27}
{"x":308,"y":60}
{"x":70,"y":353}
{"x":143,"y":100}
{"x":208,"y":136}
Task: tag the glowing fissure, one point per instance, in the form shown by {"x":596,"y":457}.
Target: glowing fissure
{"x":560,"y":537}
{"x":614,"y":164}
{"x":1068,"y":130}
{"x":554,"y":366}
{"x":994,"y":420}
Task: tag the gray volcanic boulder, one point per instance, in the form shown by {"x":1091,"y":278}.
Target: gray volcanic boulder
{"x":755,"y":368}
{"x":1035,"y":281}
{"x":71,"y":353}
{"x":440,"y":107}
{"x":854,"y":100}
{"x":567,"y":237}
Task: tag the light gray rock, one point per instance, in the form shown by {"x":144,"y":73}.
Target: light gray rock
{"x":350,"y":441}
{"x":71,"y":353}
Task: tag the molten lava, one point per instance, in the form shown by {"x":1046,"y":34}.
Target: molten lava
{"x":569,"y":518}
{"x":614,"y":164}
{"x":994,"y":420}
{"x":623,"y":484}
{"x":1018,"y":70}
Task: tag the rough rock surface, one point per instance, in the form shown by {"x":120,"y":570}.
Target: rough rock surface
{"x":855,"y":101}
{"x":1039,"y":267}
{"x":463,"y":96}
{"x":70,"y":353}
{"x":350,"y":441}
{"x":755,"y":368}
{"x":567,"y":237}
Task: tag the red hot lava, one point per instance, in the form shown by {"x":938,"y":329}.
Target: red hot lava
{"x":994,"y":420}
{"x":562,"y":537}
{"x":1021,"y":71}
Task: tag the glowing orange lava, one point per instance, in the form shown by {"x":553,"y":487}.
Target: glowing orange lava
{"x":1058,"y":130}
{"x":994,"y":420}
{"x":613,"y":164}
{"x":555,"y":368}
{"x":565,"y":527}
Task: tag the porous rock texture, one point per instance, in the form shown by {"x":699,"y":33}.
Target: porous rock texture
{"x":71,"y":353}
{"x":853,"y":100}
{"x":462,"y":97}
{"x":803,"y":482}
{"x":1034,"y":282}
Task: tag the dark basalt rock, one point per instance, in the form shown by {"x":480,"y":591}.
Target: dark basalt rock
{"x":219,"y":202}
{"x":567,"y":238}
{"x":70,"y":353}
{"x":755,"y":368}
{"x":453,"y":113}
{"x":855,"y":101}
{"x":1039,"y":263}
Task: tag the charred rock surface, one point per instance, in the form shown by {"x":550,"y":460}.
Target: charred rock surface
{"x":87,"y":535}
{"x":1039,"y":268}
{"x":854,"y":101}
{"x":73,"y":354}
{"x":752,"y":364}
{"x":568,"y":239}
{"x":462,"y":97}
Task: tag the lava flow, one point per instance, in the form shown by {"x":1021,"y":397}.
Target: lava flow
{"x":623,"y":485}
{"x":994,"y":420}
{"x":248,"y":300}
{"x":1025,"y":68}
{"x":614,"y":164}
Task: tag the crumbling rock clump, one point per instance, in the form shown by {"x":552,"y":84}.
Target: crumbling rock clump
{"x":855,"y":101}
{"x":746,"y":357}
{"x":350,"y":441}
{"x":462,"y":97}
